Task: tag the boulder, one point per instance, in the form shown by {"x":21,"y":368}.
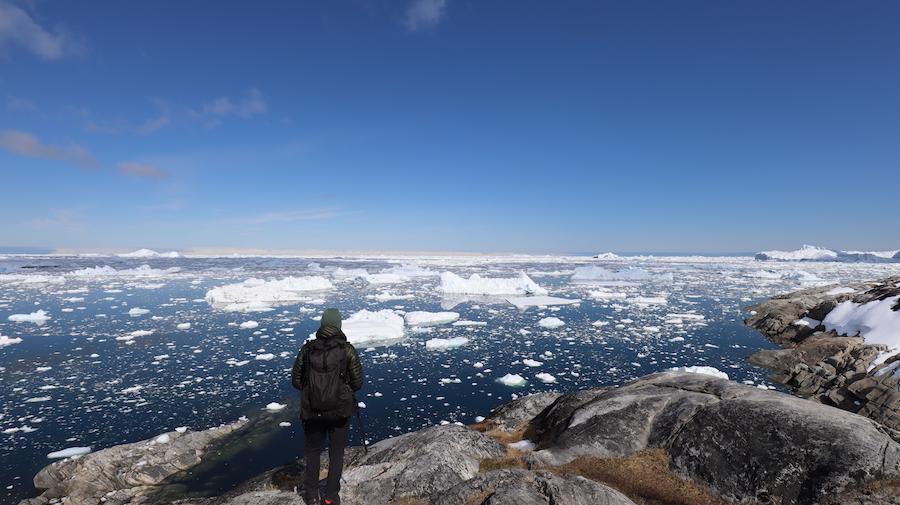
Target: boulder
{"x":744,"y":443}
{"x":121,"y":473}
{"x":517,"y":413}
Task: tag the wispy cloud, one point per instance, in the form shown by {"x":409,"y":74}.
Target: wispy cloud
{"x":19,"y":104}
{"x":291,"y":216}
{"x":423,"y":14}
{"x":19,"y":28}
{"x":142,"y":170}
{"x":59,"y":219}
{"x":25,"y":144}
{"x":212,"y":113}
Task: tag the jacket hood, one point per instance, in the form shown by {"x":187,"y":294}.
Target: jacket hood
{"x":331,"y":333}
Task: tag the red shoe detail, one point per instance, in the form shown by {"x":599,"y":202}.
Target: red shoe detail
{"x":326,"y":501}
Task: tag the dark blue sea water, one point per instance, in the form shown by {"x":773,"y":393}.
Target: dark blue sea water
{"x":71,"y":382}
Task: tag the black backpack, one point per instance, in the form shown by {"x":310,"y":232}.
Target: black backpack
{"x":326,"y":394}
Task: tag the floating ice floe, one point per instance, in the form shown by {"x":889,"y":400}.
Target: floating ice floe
{"x":648,"y":300}
{"x":876,"y":321}
{"x":267,"y":356}
{"x":368,"y":326}
{"x":545,"y":378}
{"x":532,"y":363}
{"x":422,"y":318}
{"x":39,"y":317}
{"x":551,"y":322}
{"x":5,"y":341}
{"x":275,"y":407}
{"x":523,"y":302}
{"x":478,"y":285}
{"x":248,"y":325}
{"x":69,"y":452}
{"x":183,"y":326}
{"x":445,"y":343}
{"x":705,"y":370}
{"x":257,"y":295}
{"x":512,"y":380}
{"x":137,"y":311}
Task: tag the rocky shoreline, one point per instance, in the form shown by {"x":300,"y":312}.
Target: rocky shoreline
{"x":721,"y":441}
{"x":667,"y":438}
{"x":825,"y":366}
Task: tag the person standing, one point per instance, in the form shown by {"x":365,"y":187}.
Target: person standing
{"x":327,"y":372}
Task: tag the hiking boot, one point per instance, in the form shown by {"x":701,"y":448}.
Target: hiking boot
{"x":311,"y":499}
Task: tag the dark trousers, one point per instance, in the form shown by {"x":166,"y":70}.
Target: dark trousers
{"x":314,"y":433}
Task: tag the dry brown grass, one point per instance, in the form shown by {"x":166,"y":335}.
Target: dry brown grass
{"x":879,"y":491}
{"x":409,"y":500}
{"x":644,"y":477}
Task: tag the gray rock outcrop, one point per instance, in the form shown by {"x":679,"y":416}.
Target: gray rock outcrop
{"x":524,"y":487}
{"x":123,"y":472}
{"x":837,"y":370}
{"x":746,"y":444}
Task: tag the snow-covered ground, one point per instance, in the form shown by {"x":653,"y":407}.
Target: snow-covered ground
{"x":100,"y":350}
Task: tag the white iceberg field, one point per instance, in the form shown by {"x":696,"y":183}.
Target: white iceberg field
{"x":257,"y":295}
{"x":705,"y":370}
{"x":149,"y":253}
{"x":596,"y":274}
{"x":39,"y":317}
{"x":106,"y":272}
{"x":478,"y":285}
{"x":422,"y":318}
{"x":875,"y":321}
{"x":445,"y":343}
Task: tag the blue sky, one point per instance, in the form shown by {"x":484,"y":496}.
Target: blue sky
{"x":449,"y":125}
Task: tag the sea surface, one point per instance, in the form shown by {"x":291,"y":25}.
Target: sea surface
{"x":84,"y":378}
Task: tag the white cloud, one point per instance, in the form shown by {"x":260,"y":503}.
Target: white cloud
{"x":212,"y":113}
{"x":290,"y":216}
{"x":19,"y":28}
{"x":422,"y":14}
{"x":141,"y":170}
{"x":25,"y":144}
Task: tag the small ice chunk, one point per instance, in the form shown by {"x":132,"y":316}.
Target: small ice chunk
{"x":512,"y":380}
{"x":551,"y":322}
{"x":545,"y":378}
{"x":705,"y":370}
{"x":446,"y":343}
{"x":275,"y":407}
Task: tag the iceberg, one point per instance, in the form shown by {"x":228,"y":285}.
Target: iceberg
{"x":149,"y":253}
{"x":421,"y":318}
{"x":478,"y":285}
{"x":257,"y":295}
{"x":815,"y":253}
{"x":545,"y":378}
